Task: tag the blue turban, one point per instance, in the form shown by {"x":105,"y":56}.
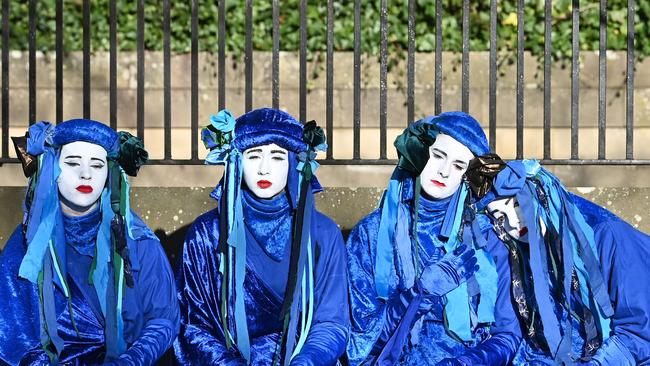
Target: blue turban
{"x":89,"y":131}
{"x":265,"y":126}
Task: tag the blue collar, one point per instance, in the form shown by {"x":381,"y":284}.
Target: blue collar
{"x":81,"y":231}
{"x":269,"y":222}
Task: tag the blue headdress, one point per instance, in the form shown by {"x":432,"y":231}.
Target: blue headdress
{"x":44,"y":261}
{"x":544,"y":200}
{"x":459,"y":224}
{"x":227,"y":139}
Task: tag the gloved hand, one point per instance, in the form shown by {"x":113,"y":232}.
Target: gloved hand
{"x":454,"y":268}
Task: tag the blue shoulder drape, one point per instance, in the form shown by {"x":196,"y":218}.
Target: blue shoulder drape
{"x":375,"y":321}
{"x":624,"y":254}
{"x":202,"y":338}
{"x":150,"y":309}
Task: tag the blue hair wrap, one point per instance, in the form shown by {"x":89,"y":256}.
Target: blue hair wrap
{"x":44,"y":260}
{"x":411,"y":145}
{"x":543,"y":198}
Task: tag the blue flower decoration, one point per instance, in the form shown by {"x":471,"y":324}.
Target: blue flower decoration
{"x":40,"y":134}
{"x":223,"y":121}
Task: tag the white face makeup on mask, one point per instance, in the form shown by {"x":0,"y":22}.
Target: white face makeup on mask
{"x":448,"y":161}
{"x":508,"y":215}
{"x":83,"y":177}
{"x":265,"y":170}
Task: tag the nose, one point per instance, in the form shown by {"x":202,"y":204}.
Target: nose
{"x":513,"y":221}
{"x":264,"y":167}
{"x":85,"y":172}
{"x":443,"y":169}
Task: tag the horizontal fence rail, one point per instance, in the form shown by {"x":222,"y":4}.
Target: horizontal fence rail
{"x":433,"y":106}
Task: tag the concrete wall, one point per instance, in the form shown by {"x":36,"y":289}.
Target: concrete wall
{"x":169,"y":211}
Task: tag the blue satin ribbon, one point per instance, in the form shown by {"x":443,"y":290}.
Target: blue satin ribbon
{"x":384,"y":260}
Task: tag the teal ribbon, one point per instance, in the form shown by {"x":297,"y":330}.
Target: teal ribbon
{"x":384,"y":257}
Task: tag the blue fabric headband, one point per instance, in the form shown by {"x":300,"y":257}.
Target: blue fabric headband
{"x":266,"y":125}
{"x":464,"y":128}
{"x":89,"y":131}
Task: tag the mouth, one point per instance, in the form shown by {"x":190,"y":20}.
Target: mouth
{"x":437,"y":183}
{"x":523,"y":231}
{"x":264,"y":184}
{"x":85,"y":189}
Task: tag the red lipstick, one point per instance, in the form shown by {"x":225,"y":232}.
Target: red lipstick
{"x":85,"y":189}
{"x":264,"y":184}
{"x":523,"y":231}
{"x":438,"y":184}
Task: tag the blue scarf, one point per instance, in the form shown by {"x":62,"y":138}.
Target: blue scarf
{"x":81,"y":231}
{"x":269,"y":221}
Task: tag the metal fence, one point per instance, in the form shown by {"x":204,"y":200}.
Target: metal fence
{"x":357,"y":120}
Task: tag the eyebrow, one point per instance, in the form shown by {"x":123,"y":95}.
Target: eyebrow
{"x":254,"y":151}
{"x":79,"y":157}
{"x":278,"y":152}
{"x":439,"y":151}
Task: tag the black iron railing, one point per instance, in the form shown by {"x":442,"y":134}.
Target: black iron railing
{"x":329,"y":69}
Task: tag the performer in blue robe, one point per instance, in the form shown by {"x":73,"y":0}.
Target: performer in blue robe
{"x":83,"y":280}
{"x":424,"y":288}
{"x":263,"y":278}
{"x":536,"y":217}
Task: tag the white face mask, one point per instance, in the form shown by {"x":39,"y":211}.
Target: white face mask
{"x":265,"y":170}
{"x":508,"y":214}
{"x":83,"y":176}
{"x":448,"y":161}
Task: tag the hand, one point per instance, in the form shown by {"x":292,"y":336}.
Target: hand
{"x":454,"y":268}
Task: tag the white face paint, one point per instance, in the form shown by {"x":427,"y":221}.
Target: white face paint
{"x":83,"y":177}
{"x":265,"y":170}
{"x":448,"y":161}
{"x":508,"y":213}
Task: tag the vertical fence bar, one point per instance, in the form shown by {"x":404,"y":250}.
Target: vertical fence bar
{"x":5,"y":78}
{"x":248,"y":56}
{"x":520,"y":79}
{"x":303,"y":60}
{"x":59,"y":61}
{"x":629,"y":80}
{"x":548,"y":49}
{"x":465,"y":60}
{"x":86,"y":59}
{"x":195,"y":81}
{"x":383,"y":69}
{"x":329,"y":116}
{"x":493,"y":76}
{"x":575,"y":77}
{"x":602,"y":80}
{"x":140,"y":77}
{"x":410,"y":67}
{"x":221,"y":33}
{"x":357,"y":82}
{"x":113,"y":65}
{"x":275,"y":62}
{"x":32,"y":61}
{"x":438,"y":67}
{"x":167,"y":93}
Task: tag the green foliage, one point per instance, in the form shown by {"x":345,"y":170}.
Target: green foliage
{"x":343,"y":26}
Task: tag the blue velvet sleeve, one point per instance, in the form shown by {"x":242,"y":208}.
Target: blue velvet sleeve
{"x":374,"y":320}
{"x":201,"y":340}
{"x":625,"y":261}
{"x":328,"y":335}
{"x":500,"y":348}
{"x":158,"y":294}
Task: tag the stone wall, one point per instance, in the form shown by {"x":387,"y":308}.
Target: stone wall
{"x":169,"y":211}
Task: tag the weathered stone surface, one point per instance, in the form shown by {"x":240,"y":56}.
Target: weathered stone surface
{"x":169,"y":211}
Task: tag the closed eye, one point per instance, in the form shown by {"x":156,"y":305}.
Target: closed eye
{"x":71,"y":163}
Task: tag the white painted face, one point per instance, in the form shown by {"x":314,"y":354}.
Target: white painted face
{"x":508,"y":214}
{"x":265,"y":170}
{"x":448,"y":161}
{"x":83,"y":177}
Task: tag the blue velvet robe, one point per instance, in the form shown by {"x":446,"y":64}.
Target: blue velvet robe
{"x":150,"y":309}
{"x":624,"y":254}
{"x":268,"y":233}
{"x":375,"y":321}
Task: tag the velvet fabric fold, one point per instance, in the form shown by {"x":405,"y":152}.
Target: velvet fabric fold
{"x":202,"y":337}
{"x":375,"y":321}
{"x":150,"y":309}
